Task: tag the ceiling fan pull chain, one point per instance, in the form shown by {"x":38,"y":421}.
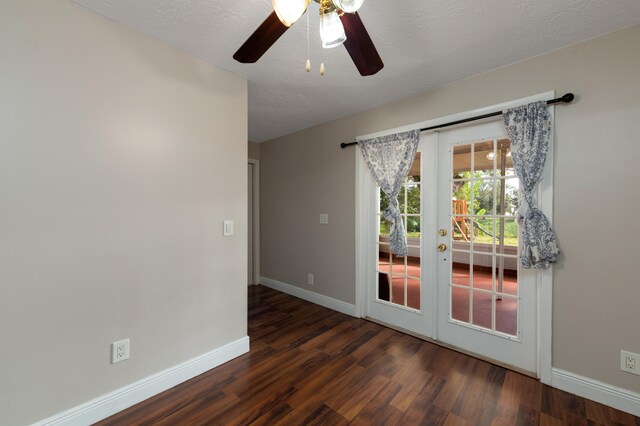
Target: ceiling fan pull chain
{"x":322,"y":70}
{"x":308,"y":66}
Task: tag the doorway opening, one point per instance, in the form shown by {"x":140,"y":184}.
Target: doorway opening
{"x":253,"y":222}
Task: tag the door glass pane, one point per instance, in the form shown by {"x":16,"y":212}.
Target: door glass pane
{"x":413,"y":293}
{"x":415,"y":171}
{"x":507,"y":188}
{"x":461,"y":161}
{"x":507,"y":315}
{"x":398,"y":287}
{"x":482,"y":274}
{"x":462,"y":197}
{"x":413,"y":265}
{"x":461,"y":269}
{"x":509,"y":229}
{"x":484,"y":192}
{"x":413,"y":231}
{"x":384,"y":287}
{"x":504,"y":165}
{"x":483,"y":159}
{"x":483,"y":232}
{"x":482,"y":309}
{"x":461,"y":228}
{"x":385,"y":228}
{"x":413,"y":198}
{"x":384,"y":261}
{"x":398,"y":265}
{"x":460,"y":304}
{"x":507,"y":275}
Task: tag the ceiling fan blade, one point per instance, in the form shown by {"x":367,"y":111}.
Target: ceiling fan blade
{"x":261,"y":40}
{"x":360,"y":46}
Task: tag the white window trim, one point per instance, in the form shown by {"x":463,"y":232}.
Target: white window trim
{"x":363,"y":223}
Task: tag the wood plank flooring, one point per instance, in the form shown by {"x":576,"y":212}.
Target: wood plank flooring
{"x":313,"y":366}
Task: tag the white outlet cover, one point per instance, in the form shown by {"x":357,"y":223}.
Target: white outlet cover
{"x":324,"y":218}
{"x":119,"y":351}
{"x":634,"y":368}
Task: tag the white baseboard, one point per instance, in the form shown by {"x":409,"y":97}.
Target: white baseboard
{"x":621,"y":399}
{"x":120,"y":399}
{"x":318,"y":299}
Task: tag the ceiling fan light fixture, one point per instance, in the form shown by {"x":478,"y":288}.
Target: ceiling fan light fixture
{"x":348,"y":6}
{"x":289,"y":11}
{"x":331,"y":29}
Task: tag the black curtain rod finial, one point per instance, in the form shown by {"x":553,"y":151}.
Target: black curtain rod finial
{"x":568,"y":98}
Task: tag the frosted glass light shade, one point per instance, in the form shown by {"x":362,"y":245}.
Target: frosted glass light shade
{"x":289,"y":11}
{"x":349,"y":6}
{"x":331,"y":30}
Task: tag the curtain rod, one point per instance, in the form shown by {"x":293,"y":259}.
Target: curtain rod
{"x":567,"y":98}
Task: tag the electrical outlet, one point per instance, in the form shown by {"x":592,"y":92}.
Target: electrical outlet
{"x":310,"y":279}
{"x":324,"y":218}
{"x":119,"y":351}
{"x":630,"y":362}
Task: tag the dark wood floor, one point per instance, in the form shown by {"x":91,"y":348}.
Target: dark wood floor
{"x":311,"y":365}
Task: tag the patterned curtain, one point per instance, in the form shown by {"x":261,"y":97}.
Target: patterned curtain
{"x":390,"y":158}
{"x":529,"y":128}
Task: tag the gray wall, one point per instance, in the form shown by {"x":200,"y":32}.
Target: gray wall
{"x":119,"y":159}
{"x":597,"y":196}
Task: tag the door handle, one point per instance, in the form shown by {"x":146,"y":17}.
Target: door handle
{"x":442,"y":247}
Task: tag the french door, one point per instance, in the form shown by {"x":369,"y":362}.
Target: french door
{"x":399,"y":291}
{"x":460,"y":282}
{"x":486,"y":304}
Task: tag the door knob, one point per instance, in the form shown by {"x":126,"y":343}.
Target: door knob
{"x":443,"y":232}
{"x":442,"y":247}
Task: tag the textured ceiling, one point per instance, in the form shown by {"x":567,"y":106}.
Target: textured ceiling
{"x":424,"y":44}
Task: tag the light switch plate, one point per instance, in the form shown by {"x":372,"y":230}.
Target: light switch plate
{"x":227,"y":230}
{"x":324,"y":218}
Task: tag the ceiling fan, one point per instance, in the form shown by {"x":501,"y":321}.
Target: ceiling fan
{"x":339,"y":24}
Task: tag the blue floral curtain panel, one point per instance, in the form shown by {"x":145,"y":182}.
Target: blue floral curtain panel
{"x":390,"y":158}
{"x":529,"y":128}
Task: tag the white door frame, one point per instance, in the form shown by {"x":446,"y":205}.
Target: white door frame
{"x":364,"y":223}
{"x":256,"y":219}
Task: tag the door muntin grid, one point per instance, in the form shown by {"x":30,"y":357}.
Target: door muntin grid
{"x":483,"y":289}
{"x":399,"y":279}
